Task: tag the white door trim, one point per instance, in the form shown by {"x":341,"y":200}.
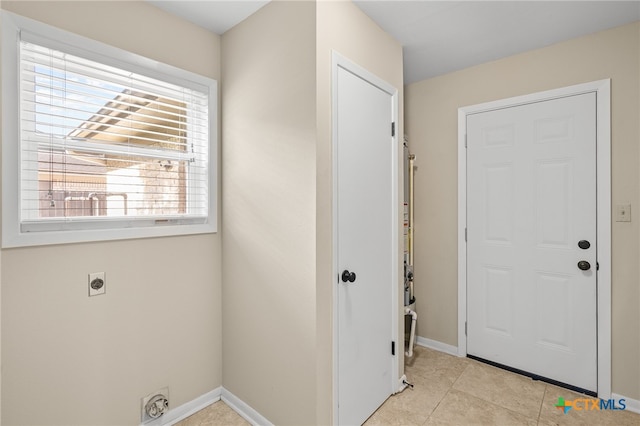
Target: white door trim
{"x":602,"y":88}
{"x":339,"y":61}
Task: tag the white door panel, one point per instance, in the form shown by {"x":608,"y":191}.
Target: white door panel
{"x":531,"y":198}
{"x":365,"y":246}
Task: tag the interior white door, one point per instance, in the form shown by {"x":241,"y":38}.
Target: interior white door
{"x":531,"y":218}
{"x":364,"y":246}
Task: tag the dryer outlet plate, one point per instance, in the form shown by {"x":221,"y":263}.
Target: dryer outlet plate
{"x":155,"y":405}
{"x":97,"y":283}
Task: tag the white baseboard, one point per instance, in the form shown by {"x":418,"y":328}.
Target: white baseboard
{"x":174,"y":415}
{"x":243,"y":409}
{"x":438,"y":346}
{"x":633,"y":405}
{"x":177,"y":414}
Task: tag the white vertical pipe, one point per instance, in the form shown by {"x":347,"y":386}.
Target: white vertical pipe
{"x":412,"y":333}
{"x":412,"y":159}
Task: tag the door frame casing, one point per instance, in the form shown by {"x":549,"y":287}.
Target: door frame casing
{"x":602,"y":89}
{"x":339,"y":61}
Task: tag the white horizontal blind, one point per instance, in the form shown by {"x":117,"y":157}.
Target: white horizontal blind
{"x":100,"y":143}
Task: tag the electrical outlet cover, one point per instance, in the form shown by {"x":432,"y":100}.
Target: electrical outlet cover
{"x":623,"y":213}
{"x":97,"y":283}
{"x":164,"y":394}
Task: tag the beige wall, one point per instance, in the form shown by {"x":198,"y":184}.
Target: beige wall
{"x":276,"y":349}
{"x":1,"y":5}
{"x":277,"y":199}
{"x":341,"y":26}
{"x":431,"y":124}
{"x":268,"y":211}
{"x":70,"y":359}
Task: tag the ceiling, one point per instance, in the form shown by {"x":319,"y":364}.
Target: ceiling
{"x":444,"y":36}
{"x":215,"y":15}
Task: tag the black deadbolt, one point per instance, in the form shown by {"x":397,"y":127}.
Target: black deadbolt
{"x":584,"y":265}
{"x":348,"y":276}
{"x":584,"y":244}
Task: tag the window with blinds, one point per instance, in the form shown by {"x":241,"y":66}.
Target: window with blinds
{"x":104,"y":147}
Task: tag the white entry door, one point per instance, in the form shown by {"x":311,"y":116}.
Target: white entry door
{"x":365,"y":182}
{"x":531,"y":232}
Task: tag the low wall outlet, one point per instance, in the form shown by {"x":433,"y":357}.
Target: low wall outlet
{"x":155,"y":405}
{"x":97,"y":283}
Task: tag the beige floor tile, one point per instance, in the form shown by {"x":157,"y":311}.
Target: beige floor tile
{"x":460,"y":408}
{"x":386,"y":416}
{"x":377,"y":419}
{"x":510,"y":390}
{"x":432,"y":374}
{"x":550,"y":415}
{"x":432,"y":364}
{"x":457,"y":391}
{"x":217,"y":414}
{"x":413,"y":405}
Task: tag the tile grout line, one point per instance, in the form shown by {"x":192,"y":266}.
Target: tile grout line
{"x":460,"y":375}
{"x":495,"y":370}
{"x":445,"y":394}
{"x":434,"y":408}
{"x":544,"y":395}
{"x":437,"y":405}
{"x":517,"y":413}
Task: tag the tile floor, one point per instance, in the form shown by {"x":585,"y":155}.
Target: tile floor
{"x":458,"y":391}
{"x":217,"y":414}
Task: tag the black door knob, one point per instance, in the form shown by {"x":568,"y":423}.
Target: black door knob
{"x":348,"y":276}
{"x":584,"y":244}
{"x":584,"y":265}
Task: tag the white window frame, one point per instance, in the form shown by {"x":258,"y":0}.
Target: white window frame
{"x":91,"y":229}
